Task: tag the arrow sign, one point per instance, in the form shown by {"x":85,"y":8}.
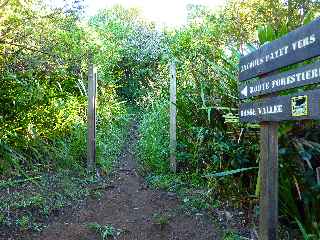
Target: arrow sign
{"x":305,"y":75}
{"x":244,"y":91}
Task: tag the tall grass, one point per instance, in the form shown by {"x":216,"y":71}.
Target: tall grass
{"x":153,"y":144}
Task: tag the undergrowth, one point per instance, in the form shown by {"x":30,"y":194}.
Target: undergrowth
{"x":28,"y":205}
{"x":105,"y":232}
{"x":27,"y":201}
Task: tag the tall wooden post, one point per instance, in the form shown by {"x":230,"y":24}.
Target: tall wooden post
{"x":92,"y":90}
{"x":173,"y":117}
{"x":271,"y":110}
{"x":268,"y":225}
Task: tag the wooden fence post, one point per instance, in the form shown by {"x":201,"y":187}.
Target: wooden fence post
{"x":173,"y":117}
{"x":268,"y":223}
{"x":92,"y":90}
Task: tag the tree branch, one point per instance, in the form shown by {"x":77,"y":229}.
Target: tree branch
{"x":2,"y":5}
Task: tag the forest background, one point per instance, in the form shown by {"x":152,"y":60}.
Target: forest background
{"x":43,"y":94}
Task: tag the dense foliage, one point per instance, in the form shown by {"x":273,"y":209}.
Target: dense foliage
{"x":211,"y":141}
{"x":43,"y":96}
{"x":43,"y":90}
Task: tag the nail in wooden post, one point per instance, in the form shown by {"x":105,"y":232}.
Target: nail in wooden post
{"x":173,"y":118}
{"x":92,"y":89}
{"x":268,"y":225}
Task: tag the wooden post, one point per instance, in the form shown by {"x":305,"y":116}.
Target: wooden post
{"x":300,"y":106}
{"x":92,"y":90}
{"x":173,"y":118}
{"x":268,"y":225}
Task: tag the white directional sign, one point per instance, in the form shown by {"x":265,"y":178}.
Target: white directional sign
{"x":306,"y":75}
{"x":244,"y":91}
{"x":304,"y":105}
{"x":298,"y":45}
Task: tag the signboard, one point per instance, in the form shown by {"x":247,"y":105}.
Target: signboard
{"x":296,"y":46}
{"x":305,"y":105}
{"x":302,"y":76}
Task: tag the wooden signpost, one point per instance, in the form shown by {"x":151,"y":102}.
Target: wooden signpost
{"x":295,"y":47}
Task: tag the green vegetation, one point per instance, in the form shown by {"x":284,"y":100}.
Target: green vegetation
{"x":105,"y":232}
{"x":215,"y":152}
{"x":161,"y":219}
{"x":232,"y":236}
{"x":43,"y":125}
{"x":43,"y":94}
{"x":29,"y":204}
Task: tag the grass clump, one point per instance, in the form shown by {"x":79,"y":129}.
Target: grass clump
{"x":29,"y":205}
{"x":161,"y":219}
{"x":104,"y":232}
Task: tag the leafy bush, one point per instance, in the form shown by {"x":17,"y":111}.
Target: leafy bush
{"x":154,"y":138}
{"x":43,"y":78}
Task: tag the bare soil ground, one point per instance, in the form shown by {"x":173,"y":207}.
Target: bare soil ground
{"x":131,"y":210}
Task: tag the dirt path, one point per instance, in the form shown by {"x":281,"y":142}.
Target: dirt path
{"x":138,"y":212}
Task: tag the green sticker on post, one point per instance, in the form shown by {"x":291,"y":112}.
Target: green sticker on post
{"x":299,"y":106}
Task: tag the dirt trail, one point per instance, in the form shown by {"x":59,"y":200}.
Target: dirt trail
{"x":133,"y":208}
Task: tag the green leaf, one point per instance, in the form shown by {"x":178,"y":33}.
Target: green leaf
{"x":227,"y":173}
{"x":266,"y":34}
{"x":258,"y":184}
{"x":310,"y":16}
{"x":302,"y":230}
